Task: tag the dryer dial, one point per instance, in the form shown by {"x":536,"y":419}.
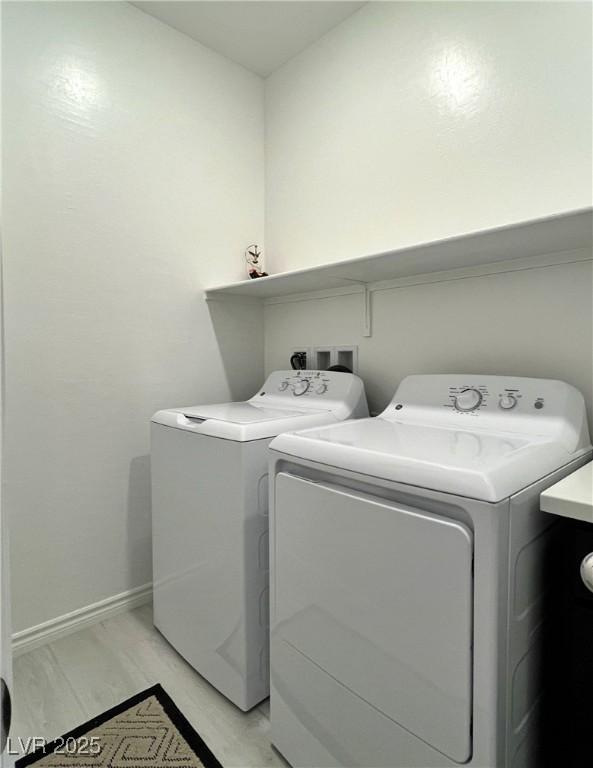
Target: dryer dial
{"x":468,"y":399}
{"x":507,"y":402}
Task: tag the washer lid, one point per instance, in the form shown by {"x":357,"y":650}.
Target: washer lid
{"x":288,"y":400}
{"x":241,"y":422}
{"x":478,"y":464}
{"x":238,"y":413}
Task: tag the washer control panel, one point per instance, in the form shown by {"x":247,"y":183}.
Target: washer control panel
{"x":307,"y":386}
{"x":314,"y":391}
{"x":302,"y":383}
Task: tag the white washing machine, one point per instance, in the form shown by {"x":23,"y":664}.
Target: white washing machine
{"x":210,"y":521}
{"x":407,"y":575}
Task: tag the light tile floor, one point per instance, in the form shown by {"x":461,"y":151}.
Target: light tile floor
{"x":69,"y":681}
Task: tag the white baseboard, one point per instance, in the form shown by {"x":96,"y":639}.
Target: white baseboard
{"x":27,"y":639}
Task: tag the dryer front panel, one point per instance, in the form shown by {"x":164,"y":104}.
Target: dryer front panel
{"x":379,"y":596}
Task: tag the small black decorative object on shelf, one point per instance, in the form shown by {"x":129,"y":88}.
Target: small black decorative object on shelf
{"x":253,"y":259}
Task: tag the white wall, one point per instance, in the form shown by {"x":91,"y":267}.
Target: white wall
{"x":133,"y":169}
{"x":411,"y":121}
{"x":133,"y":174}
{"x":414,"y":121}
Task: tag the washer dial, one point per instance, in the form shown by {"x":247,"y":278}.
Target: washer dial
{"x":300,"y":387}
{"x":321,"y":388}
{"x":468,"y":399}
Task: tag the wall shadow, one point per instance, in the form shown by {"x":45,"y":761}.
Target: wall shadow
{"x":239,"y":330}
{"x":139,"y":522}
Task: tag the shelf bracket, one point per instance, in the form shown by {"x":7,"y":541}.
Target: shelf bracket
{"x":367,"y":308}
{"x":368,"y":311}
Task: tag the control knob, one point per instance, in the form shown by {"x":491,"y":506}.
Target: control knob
{"x":507,"y":402}
{"x":468,"y":399}
{"x":283,"y":386}
{"x":587,"y":571}
{"x":321,"y":388}
{"x":301,"y":386}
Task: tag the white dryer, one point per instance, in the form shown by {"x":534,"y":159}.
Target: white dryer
{"x":406,"y":575}
{"x":210,"y":521}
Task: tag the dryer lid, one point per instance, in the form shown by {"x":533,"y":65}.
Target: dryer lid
{"x":488,"y":467}
{"x":407,"y":649}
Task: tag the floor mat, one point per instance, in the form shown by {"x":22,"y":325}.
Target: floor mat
{"x":144,"y":731}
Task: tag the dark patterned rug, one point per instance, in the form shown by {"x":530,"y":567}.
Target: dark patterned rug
{"x":145,"y":731}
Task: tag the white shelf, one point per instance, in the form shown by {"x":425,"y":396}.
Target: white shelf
{"x":572,"y":496}
{"x":563,"y":232}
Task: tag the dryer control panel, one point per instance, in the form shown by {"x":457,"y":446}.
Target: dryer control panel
{"x":471,"y":396}
{"x":499,"y":403}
